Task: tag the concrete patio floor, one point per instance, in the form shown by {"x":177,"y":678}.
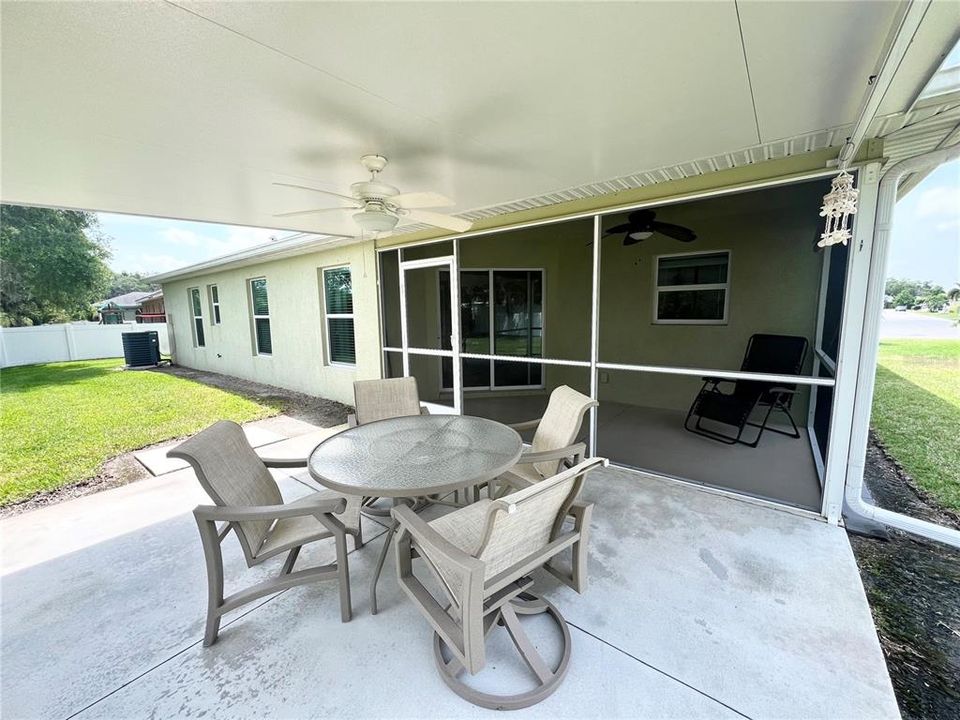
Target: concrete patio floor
{"x":699,"y":606}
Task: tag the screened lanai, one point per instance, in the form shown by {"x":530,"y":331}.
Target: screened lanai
{"x":637,"y":322}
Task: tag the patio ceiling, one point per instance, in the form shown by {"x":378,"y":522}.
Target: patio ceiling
{"x":192,"y":110}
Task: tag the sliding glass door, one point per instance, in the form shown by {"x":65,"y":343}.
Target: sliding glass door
{"x":501,"y":313}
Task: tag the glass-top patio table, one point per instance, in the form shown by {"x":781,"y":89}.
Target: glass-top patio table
{"x":412,"y":457}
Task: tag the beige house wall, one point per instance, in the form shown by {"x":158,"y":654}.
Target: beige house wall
{"x":299,"y":359}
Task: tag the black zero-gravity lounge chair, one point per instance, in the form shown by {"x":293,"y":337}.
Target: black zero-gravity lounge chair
{"x":775,"y":354}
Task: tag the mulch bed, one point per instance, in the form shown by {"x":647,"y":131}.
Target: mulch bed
{"x":125,"y":468}
{"x":913,"y":586}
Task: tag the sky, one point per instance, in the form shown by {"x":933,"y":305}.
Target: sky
{"x":925,"y":244}
{"x":152,"y":245}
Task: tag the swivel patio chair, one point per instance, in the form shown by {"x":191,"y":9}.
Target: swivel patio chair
{"x":774,"y":354}
{"x":481,"y":556}
{"x":554,"y":442}
{"x":248,"y":502}
{"x":381,"y":400}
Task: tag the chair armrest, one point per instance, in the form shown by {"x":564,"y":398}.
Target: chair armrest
{"x":433,"y":543}
{"x":309,"y":505}
{"x":514,"y":481}
{"x":783,"y":391}
{"x":284,"y":462}
{"x":526,"y":425}
{"x":577,"y":449}
{"x":716,"y":380}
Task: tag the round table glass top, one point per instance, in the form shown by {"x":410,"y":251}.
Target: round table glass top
{"x":416,"y":455}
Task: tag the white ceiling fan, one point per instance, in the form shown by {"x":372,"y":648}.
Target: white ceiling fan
{"x":379,"y":208}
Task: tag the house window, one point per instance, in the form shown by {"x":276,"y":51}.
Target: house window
{"x":198,"y":339}
{"x":260,"y":314}
{"x":692,"y":288}
{"x":214,"y":304}
{"x":338,"y":311}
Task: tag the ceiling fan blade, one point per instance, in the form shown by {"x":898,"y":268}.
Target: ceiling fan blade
{"x":311,"y":212}
{"x":618,"y":229}
{"x":325,"y":192}
{"x":677,"y":232}
{"x":438,"y":220}
{"x":413,"y":200}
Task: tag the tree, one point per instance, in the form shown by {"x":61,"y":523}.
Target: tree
{"x":913,"y":292}
{"x":124,"y":282}
{"x":953,"y":294}
{"x":935,"y":302}
{"x":904,"y":297}
{"x":53,"y":265}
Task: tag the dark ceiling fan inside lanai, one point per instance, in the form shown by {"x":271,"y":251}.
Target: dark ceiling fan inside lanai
{"x":641,"y":224}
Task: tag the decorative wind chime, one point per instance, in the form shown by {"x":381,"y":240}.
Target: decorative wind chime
{"x":838,"y":205}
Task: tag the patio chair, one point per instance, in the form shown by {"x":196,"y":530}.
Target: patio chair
{"x":384,"y":399}
{"x":381,"y":400}
{"x":481,"y":555}
{"x":554,"y":442}
{"x":249,"y":502}
{"x":776,"y":354}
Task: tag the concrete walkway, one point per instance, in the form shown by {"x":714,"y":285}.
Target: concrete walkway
{"x":699,"y":606}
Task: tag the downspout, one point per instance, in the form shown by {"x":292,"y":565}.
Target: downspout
{"x":886,"y":201}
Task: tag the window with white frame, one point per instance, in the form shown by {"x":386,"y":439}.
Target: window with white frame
{"x":197,"y":310}
{"x":260,"y":317}
{"x":692,"y":288}
{"x":214,"y":293}
{"x":338,"y":314}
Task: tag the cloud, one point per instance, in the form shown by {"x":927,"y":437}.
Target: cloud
{"x":236,"y":238}
{"x":148,"y":264}
{"x":939,"y":201}
{"x":155,"y":245}
{"x":180,"y":236}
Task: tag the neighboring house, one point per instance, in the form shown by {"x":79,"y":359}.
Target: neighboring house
{"x":132,"y":307}
{"x":152,"y":309}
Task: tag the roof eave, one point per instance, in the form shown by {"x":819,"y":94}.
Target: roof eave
{"x":287,"y":247}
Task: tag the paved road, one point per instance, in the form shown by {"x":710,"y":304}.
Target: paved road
{"x":895,"y":324}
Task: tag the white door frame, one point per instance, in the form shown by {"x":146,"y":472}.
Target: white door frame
{"x":449,"y":263}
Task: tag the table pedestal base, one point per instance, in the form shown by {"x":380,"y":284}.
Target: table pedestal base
{"x":547,"y":680}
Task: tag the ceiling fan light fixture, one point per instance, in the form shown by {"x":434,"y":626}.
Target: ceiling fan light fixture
{"x":376,"y":221}
{"x":640,"y":234}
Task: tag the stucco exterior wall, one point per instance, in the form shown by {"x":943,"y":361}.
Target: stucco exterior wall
{"x":299,"y":357}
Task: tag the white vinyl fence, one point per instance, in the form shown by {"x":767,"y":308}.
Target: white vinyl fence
{"x":70,"y":341}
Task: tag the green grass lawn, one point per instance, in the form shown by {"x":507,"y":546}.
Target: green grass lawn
{"x":59,"y":422}
{"x":916,"y":412}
